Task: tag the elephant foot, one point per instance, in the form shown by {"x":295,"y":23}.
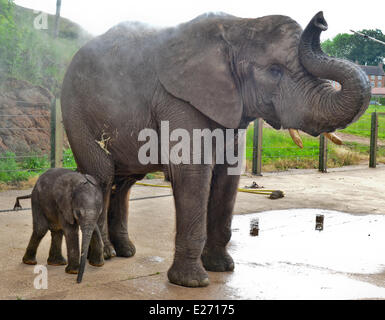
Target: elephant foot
{"x":188,"y":274}
{"x":96,"y":264}
{"x":72,"y":269}
{"x":57,"y":261}
{"x":217,"y":260}
{"x":29,"y":260}
{"x":95,"y":258}
{"x":124,"y":247}
{"x":109,"y":251}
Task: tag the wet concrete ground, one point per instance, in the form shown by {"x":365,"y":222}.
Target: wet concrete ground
{"x":289,"y":259}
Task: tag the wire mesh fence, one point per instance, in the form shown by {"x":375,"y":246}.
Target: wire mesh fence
{"x":278,"y":151}
{"x":23,"y":148}
{"x":25,"y":142}
{"x":361,"y":133}
{"x":359,"y":140}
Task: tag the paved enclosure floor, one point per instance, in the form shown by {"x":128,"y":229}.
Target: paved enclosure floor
{"x":289,"y":259}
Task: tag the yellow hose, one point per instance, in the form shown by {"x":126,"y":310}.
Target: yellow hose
{"x":255,"y":191}
{"x":152,"y":185}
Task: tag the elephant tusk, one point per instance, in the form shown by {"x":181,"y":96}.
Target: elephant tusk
{"x":333,"y":138}
{"x":296,"y":137}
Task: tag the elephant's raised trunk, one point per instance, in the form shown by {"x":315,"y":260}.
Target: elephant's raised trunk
{"x":332,"y":109}
{"x":87,"y":232}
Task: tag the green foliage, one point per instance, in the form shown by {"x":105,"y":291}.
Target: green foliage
{"x":339,"y":47}
{"x":12,"y":171}
{"x":35,"y":162}
{"x":69,"y":160}
{"x":357,"y":48}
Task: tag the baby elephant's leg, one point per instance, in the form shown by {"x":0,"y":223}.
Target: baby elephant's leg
{"x":71,"y":234}
{"x":30,"y":253}
{"x":40,"y":228}
{"x":55,"y":254}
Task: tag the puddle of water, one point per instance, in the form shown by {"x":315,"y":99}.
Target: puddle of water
{"x":289,"y":259}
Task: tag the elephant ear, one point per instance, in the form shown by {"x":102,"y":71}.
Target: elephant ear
{"x":195,"y":68}
{"x":63,"y":189}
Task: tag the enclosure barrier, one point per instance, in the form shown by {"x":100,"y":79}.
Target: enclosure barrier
{"x":56,"y":135}
{"x":368,"y":125}
{"x":17,"y":161}
{"x":257,"y":146}
{"x":365,"y":127}
{"x":374,"y":139}
{"x":323,"y":153}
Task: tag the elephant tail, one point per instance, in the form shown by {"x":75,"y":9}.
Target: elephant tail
{"x":17,"y":205}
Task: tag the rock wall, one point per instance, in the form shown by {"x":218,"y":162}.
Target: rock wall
{"x":24,"y":117}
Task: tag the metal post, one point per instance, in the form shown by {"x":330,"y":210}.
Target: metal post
{"x":373,"y":141}
{"x":57,"y":19}
{"x":56,"y":135}
{"x":53,"y":132}
{"x":257,"y":147}
{"x":59,"y":136}
{"x":323,"y":153}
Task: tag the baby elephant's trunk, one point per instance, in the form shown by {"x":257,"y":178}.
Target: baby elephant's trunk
{"x":86,"y":239}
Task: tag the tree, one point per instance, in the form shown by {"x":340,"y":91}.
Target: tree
{"x":367,"y":51}
{"x":340,"y":46}
{"x":357,"y":48}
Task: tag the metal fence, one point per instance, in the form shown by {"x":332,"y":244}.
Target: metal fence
{"x":18,"y":162}
{"x":377,"y":131}
{"x":264,"y":151}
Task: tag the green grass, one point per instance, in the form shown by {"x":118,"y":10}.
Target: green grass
{"x":362,"y":126}
{"x":280,"y":153}
{"x":15,"y":169}
{"x":278,"y":144}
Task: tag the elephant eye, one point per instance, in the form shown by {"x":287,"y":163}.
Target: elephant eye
{"x":276,"y":71}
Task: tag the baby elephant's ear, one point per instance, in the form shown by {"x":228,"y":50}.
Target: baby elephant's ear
{"x":91,"y":179}
{"x":62,"y":190}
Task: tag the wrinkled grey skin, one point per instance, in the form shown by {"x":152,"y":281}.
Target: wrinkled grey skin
{"x":63,"y":200}
{"x":216,"y":71}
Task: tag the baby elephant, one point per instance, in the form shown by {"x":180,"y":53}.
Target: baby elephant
{"x":63,"y":200}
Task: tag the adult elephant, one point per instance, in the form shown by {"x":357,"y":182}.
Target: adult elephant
{"x":215,"y":72}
